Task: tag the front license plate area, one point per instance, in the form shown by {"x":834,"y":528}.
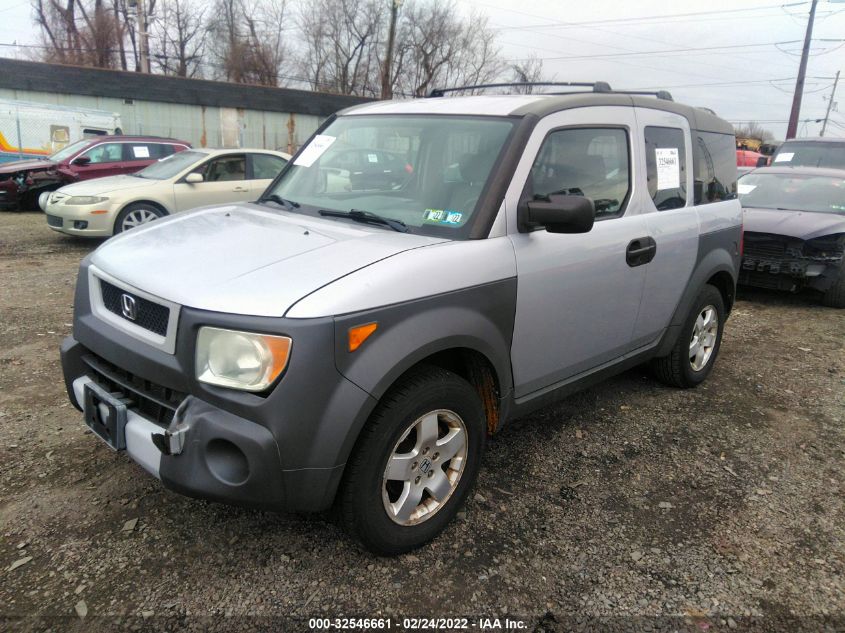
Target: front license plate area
{"x":105,"y":415}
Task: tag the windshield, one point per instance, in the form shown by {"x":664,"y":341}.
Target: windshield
{"x":172,"y":165}
{"x":821,"y":194}
{"x":67,"y":151}
{"x":426,"y":171}
{"x":809,"y":154}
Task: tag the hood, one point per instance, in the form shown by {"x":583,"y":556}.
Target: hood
{"x":97,"y":186}
{"x":25,"y":165}
{"x":803,"y":225}
{"x":244,"y":260}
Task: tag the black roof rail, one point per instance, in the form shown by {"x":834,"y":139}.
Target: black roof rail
{"x":665,"y":95}
{"x":597,"y":86}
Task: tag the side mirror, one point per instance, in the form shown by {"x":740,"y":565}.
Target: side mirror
{"x":193,"y":178}
{"x":561,"y":214}
{"x":82,"y":160}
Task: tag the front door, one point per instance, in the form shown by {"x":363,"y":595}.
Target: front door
{"x":105,"y":159}
{"x":224,"y":180}
{"x":578,"y":295}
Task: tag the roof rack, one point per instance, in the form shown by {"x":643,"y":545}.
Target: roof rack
{"x":598,"y":86}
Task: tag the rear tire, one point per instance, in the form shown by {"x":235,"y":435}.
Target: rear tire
{"x":136,"y":214}
{"x":414,"y":463}
{"x":835,"y":295}
{"x":694,"y":354}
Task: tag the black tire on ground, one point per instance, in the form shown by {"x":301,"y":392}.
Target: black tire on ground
{"x":135,"y":208}
{"x":835,"y":295}
{"x":360,"y":505}
{"x":676,"y":369}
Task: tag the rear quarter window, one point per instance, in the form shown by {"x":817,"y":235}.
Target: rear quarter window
{"x":714,"y":167}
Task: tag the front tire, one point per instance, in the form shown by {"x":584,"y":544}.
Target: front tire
{"x":415,"y":462}
{"x":136,"y":214}
{"x":694,"y":354}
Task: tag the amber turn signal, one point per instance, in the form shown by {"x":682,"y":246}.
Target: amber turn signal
{"x":359,"y":334}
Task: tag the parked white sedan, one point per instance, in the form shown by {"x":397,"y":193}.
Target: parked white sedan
{"x":189,"y":179}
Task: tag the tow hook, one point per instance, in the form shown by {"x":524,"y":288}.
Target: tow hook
{"x":172,"y":441}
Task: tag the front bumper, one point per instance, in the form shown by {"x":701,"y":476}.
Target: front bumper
{"x":85,"y":220}
{"x":283,"y":450}
{"x":788,"y":274}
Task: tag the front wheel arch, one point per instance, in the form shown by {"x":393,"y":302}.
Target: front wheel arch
{"x":160,"y":208}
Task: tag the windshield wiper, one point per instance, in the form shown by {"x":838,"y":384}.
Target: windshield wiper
{"x":287,"y":204}
{"x":367,"y":217}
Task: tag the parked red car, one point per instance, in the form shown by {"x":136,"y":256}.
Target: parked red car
{"x":21,"y":182}
{"x":748,"y":158}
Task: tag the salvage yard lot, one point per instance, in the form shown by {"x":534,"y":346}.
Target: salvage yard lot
{"x":722,"y":505}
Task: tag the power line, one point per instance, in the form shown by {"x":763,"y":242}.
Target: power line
{"x":630,"y":20}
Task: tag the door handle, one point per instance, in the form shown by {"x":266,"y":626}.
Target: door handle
{"x":240,"y":189}
{"x":640,"y":251}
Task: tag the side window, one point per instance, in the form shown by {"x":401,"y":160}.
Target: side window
{"x":666,"y":167}
{"x":164,"y":150}
{"x":105,"y":153}
{"x":232,"y":167}
{"x":591,"y":162}
{"x":139,"y":151}
{"x":89,"y":133}
{"x":266,"y":166}
{"x":714,"y":166}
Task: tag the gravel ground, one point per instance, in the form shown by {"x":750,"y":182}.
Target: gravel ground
{"x":630,"y":506}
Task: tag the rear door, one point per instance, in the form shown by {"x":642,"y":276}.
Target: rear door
{"x":670,"y":217}
{"x":224,"y":180}
{"x":139,"y":154}
{"x":577,"y":295}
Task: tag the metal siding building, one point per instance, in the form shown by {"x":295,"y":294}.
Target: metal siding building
{"x":206,"y":113}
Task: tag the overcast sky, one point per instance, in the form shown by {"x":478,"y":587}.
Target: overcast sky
{"x":747,"y":73}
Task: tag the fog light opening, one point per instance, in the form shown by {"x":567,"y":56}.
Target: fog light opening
{"x":80,"y":225}
{"x":226,"y":462}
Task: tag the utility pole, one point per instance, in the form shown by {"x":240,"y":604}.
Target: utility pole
{"x":143,"y":37}
{"x":792,"y":128}
{"x":830,"y":103}
{"x":386,"y":78}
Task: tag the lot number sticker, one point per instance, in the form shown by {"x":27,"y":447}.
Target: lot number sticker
{"x":141,"y":151}
{"x":668,"y":168}
{"x":318,"y":145}
{"x":785,"y":157}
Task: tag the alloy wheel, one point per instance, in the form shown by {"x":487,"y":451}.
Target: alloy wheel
{"x":424,"y":467}
{"x":137,"y":217}
{"x":703,"y":340}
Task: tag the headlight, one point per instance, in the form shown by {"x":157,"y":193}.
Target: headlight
{"x":240,"y":360}
{"x":83,"y":200}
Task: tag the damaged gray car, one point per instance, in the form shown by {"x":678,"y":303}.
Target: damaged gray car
{"x":795,"y":230}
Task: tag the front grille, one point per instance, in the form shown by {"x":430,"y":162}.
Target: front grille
{"x":54,"y":220}
{"x":765,"y":248}
{"x":155,"y":402}
{"x":149,"y":315}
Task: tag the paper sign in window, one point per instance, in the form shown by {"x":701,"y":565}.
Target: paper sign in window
{"x":744,"y":189}
{"x":141,"y":151}
{"x":784,"y":157}
{"x":668,"y":168}
{"x":318,"y":145}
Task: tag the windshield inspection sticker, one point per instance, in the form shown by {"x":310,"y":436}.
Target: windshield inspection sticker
{"x":443,"y":216}
{"x":668,"y":168}
{"x":315,"y":149}
{"x":743,"y":189}
{"x":784,"y":157}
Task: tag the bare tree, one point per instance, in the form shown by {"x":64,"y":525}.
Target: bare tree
{"x":437,"y":47}
{"x":529,"y":70}
{"x":342,"y":40}
{"x":79,"y":32}
{"x":752,"y":129}
{"x":180,"y":38}
{"x":249,"y":40}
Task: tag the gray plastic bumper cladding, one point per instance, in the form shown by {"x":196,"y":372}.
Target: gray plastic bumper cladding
{"x":284,"y":449}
